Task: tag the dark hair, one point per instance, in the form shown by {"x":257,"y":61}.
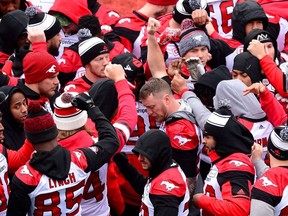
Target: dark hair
{"x":205,"y":94}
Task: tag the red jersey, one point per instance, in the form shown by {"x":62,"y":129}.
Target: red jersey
{"x":226,"y":194}
{"x":269,"y":193}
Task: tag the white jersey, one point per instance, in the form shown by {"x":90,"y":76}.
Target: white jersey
{"x":163,"y":185}
{"x":4,"y":185}
{"x":144,"y":123}
{"x":57,"y":197}
{"x":261,"y":132}
{"x":221,"y":15}
{"x":95,"y":201}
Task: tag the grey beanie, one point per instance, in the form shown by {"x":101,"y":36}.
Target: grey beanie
{"x":192,"y":38}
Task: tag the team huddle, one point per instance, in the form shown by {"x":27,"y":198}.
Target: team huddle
{"x":177,"y":108}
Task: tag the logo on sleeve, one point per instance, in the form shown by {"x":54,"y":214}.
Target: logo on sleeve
{"x":25,"y":171}
{"x":181,"y":140}
{"x":169,"y":186}
{"x":266,"y":182}
{"x":112,"y":13}
{"x":78,"y":155}
{"x":237,"y":163}
{"x":124,"y":20}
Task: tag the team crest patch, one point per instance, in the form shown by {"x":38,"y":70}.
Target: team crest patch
{"x":266,"y":182}
{"x":25,"y":171}
{"x":169,"y":186}
{"x":237,"y":163}
{"x":181,"y":140}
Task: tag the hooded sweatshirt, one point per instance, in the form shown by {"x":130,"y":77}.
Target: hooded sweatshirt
{"x":246,"y":109}
{"x":12,"y":25}
{"x":73,"y":9}
{"x":228,"y":185}
{"x":243,"y":13}
{"x":205,"y":87}
{"x":61,"y":170}
{"x":156,"y":147}
{"x":13,"y":130}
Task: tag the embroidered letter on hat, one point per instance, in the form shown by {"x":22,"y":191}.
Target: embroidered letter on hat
{"x":51,"y":69}
{"x":262,"y":37}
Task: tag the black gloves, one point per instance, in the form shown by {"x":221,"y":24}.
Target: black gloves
{"x":83,"y":101}
{"x":121,"y":160}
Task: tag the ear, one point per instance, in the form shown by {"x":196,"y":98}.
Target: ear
{"x":166,"y":99}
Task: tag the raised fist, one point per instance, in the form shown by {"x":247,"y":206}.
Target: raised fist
{"x":83,"y":101}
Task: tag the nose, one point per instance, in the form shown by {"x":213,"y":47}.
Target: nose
{"x":24,"y":108}
{"x":149,"y":112}
{"x":140,"y":157}
{"x":56,"y":80}
{"x":106,"y":60}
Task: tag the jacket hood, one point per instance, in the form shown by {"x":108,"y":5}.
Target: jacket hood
{"x":230,"y":93}
{"x":12,"y":25}
{"x":13,"y":130}
{"x":73,"y":9}
{"x":105,"y":96}
{"x":55,"y":164}
{"x":230,"y":135}
{"x":155,"y":145}
{"x":243,"y":13}
{"x":213,"y":77}
{"x":205,"y":87}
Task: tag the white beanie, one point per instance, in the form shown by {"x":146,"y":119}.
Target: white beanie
{"x":66,"y":116}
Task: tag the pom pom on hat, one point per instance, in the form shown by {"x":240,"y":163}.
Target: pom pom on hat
{"x":66,"y":116}
{"x":187,"y":24}
{"x":84,"y":33}
{"x":278,"y":143}
{"x":39,"y":65}
{"x":39,"y":125}
{"x":49,"y":24}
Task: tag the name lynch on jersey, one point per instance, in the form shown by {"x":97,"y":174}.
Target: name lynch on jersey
{"x":58,"y":183}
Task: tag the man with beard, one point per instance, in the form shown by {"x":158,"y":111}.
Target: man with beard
{"x":37,"y":21}
{"x":49,"y":24}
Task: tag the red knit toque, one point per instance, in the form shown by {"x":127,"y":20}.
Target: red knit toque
{"x":162,"y":2}
{"x":39,"y":65}
{"x":66,"y":116}
{"x":39,"y":125}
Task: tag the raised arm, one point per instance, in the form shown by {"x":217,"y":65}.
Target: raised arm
{"x":108,"y":142}
{"x":155,"y":57}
